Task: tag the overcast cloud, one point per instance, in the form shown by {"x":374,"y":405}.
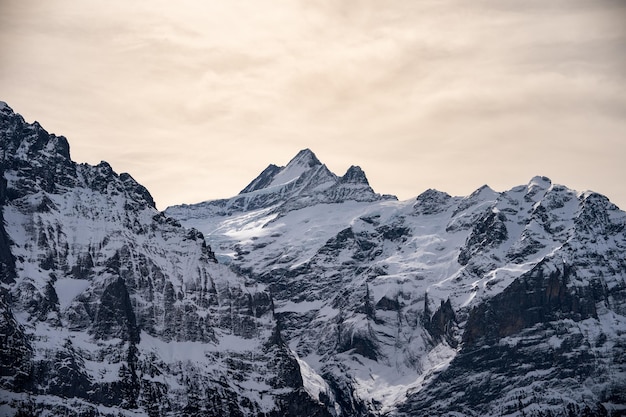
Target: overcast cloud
{"x":195,"y":98}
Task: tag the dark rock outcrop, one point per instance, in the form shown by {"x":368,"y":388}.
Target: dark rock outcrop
{"x":500,"y":303}
{"x":540,"y":296}
{"x":107,"y":305}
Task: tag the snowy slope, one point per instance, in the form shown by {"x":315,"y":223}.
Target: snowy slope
{"x":303,"y":182}
{"x":382,"y":298}
{"x":307,"y":294}
{"x":110,"y":308}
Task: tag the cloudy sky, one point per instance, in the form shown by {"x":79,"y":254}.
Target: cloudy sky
{"x":194,"y":98}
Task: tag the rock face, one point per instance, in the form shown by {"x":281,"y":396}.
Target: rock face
{"x":499,"y":303}
{"x":307,"y":294}
{"x":108,"y":307}
{"x":303,"y":182}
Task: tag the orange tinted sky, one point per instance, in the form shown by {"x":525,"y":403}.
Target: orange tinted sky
{"x":195,"y":98}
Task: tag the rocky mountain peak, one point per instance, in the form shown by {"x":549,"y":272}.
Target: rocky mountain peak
{"x":305,"y":158}
{"x":540,"y":182}
{"x":537,"y":187}
{"x":4,"y":108}
{"x":303,"y":168}
{"x":275,"y":176}
{"x":355,"y":175}
{"x":431,"y":202}
{"x":21,"y":140}
{"x":51,"y":167}
{"x":303,"y":182}
{"x":263,"y":180}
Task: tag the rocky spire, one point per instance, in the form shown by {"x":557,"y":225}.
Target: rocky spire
{"x":305,"y":157}
{"x":354,"y":175}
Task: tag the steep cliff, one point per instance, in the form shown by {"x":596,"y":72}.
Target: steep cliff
{"x":477,"y":305}
{"x":110,"y":308}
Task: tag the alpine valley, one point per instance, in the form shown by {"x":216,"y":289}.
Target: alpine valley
{"x":308,"y":294}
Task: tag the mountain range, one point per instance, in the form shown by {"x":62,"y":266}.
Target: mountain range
{"x":307,"y":294}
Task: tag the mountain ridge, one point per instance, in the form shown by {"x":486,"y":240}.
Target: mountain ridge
{"x":304,"y":181}
{"x":356,"y":274}
{"x":306,"y":294}
{"x":110,"y":308}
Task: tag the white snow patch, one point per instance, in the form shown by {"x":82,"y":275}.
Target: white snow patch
{"x":195,"y":351}
{"x":314,"y":384}
{"x":288,"y":175}
{"x":389,"y":386}
{"x":69,"y":288}
{"x":301,"y":307}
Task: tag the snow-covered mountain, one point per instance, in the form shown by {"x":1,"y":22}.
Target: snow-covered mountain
{"x":307,"y":294}
{"x":110,"y":308}
{"x":303,"y":182}
{"x":499,"y":303}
